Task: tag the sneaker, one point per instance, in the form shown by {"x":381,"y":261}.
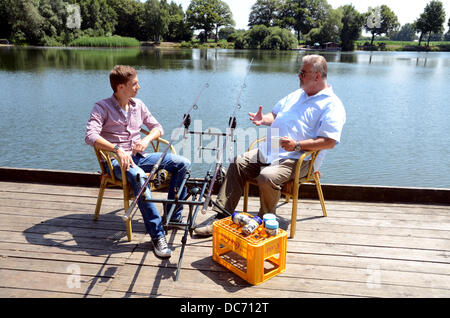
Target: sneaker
{"x":161,"y":248}
{"x":206,"y":227}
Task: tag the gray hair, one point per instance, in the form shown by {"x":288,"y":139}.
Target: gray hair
{"x":318,"y":62}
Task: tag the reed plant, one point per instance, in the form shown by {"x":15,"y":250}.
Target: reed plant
{"x":105,"y":41}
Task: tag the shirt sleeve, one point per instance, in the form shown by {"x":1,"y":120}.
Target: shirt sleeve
{"x":150,"y":121}
{"x":95,"y":124}
{"x":332,"y":121}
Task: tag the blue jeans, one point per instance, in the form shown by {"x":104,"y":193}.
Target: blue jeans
{"x":176,"y":165}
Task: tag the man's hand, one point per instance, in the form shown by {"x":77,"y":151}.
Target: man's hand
{"x":287,"y":143}
{"x":257,"y":118}
{"x":125,"y":160}
{"x":140,"y":146}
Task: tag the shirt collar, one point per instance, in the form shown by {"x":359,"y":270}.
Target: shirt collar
{"x":328,"y":91}
{"x":131,"y":101}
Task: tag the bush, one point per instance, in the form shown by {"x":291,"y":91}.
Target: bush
{"x":105,"y":41}
{"x":279,"y":39}
{"x":273,"y":38}
{"x":242,"y":40}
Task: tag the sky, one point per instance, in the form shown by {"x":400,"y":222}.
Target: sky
{"x":406,"y":11}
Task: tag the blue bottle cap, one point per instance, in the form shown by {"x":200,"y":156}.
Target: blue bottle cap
{"x":271,"y":224}
{"x":258,"y":219}
{"x":269,"y":216}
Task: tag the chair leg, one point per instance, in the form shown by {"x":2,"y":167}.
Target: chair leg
{"x":100,"y":198}
{"x":294,"y":213}
{"x":287,"y":198}
{"x":126,"y":205}
{"x":246,"y":187}
{"x":129,"y":230}
{"x":320,"y":193}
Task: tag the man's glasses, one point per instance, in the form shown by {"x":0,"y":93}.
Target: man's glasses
{"x":303,"y":73}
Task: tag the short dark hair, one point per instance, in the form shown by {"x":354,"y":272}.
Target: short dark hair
{"x":121,"y":74}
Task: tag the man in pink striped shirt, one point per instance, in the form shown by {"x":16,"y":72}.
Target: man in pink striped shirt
{"x":114,"y":125}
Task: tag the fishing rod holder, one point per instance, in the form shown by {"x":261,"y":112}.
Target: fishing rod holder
{"x":195,"y":198}
{"x":218,"y":135}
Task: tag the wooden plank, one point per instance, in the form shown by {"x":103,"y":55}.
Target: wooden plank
{"x":371,"y":251}
{"x":360,"y":250}
{"x":361,"y":262}
{"x":380,"y":212}
{"x":226,"y":284}
{"x":85,"y":245}
{"x":52,"y":282}
{"x":10,"y":292}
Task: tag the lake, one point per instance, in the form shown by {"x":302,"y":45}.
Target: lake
{"x":397,"y":106}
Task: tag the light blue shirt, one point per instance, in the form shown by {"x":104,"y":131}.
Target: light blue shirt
{"x":301,"y":117}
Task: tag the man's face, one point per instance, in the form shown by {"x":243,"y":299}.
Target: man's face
{"x":132,"y":87}
{"x":306,"y":76}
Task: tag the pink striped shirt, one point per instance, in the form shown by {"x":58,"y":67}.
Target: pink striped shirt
{"x":108,"y":121}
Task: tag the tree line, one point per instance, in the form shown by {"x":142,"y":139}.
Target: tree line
{"x":273,"y":24}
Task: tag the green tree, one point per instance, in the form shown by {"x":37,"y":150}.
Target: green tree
{"x":330,"y":30}
{"x":303,"y":15}
{"x":156,"y":19}
{"x":264,"y":12}
{"x":352,"y":23}
{"x":380,"y":20}
{"x":431,"y":20}
{"x":420,"y":26}
{"x":178,"y":29}
{"x":97,"y":17}
{"x":279,"y":39}
{"x":257,"y":34}
{"x":226,"y":33}
{"x":208,"y":15}
{"x":224,"y":17}
{"x":130,"y":17}
{"x":406,"y":33}
{"x":55,"y":14}
{"x":5,"y":21}
{"x":26,"y":22}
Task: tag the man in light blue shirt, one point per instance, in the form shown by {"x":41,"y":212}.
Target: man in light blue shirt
{"x":310,"y":118}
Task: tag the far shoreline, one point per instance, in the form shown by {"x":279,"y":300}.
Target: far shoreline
{"x":214,"y":45}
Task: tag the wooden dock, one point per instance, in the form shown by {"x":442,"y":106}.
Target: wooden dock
{"x":51,"y":247}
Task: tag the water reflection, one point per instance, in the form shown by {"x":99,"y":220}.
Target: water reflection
{"x":395,"y":101}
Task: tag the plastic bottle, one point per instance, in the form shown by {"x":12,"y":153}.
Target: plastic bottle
{"x":252,"y":225}
{"x":269,"y":216}
{"x":271,"y":227}
{"x":241,"y":218}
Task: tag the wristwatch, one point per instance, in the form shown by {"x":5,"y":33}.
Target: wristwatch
{"x":297,"y":147}
{"x":116,"y":148}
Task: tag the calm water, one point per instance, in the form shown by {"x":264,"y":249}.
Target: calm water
{"x":397,"y":106}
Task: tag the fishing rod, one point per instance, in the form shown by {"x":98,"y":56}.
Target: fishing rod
{"x":186,"y":117}
{"x":231,"y":126}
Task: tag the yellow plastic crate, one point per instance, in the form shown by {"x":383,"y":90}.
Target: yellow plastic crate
{"x":255,"y":258}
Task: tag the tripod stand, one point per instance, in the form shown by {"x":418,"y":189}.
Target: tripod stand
{"x":195,"y":197}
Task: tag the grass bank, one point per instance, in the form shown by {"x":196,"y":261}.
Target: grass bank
{"x":106,"y":41}
{"x":436,"y":46}
{"x":211,"y":44}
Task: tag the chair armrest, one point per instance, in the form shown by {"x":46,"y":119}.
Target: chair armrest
{"x":253,"y":144}
{"x":106,"y":155}
{"x":157,"y":142}
{"x":310,"y":173}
